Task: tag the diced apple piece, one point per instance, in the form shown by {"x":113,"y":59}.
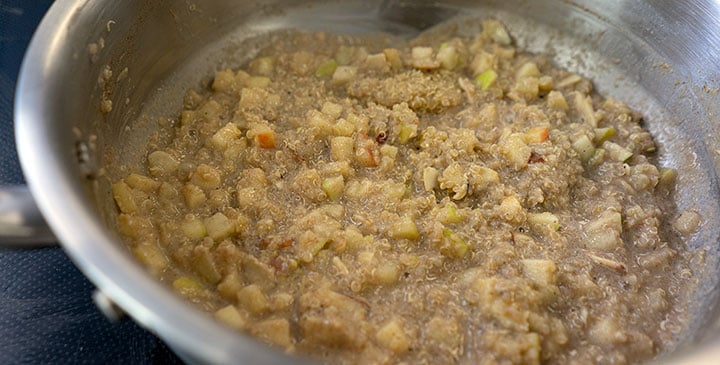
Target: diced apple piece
{"x":481,"y":177}
{"x":263,"y":66}
{"x":187,"y":286}
{"x":389,"y":155}
{"x":569,"y":81}
{"x":486,"y":79}
{"x":422,"y":58}
{"x":342,"y":148}
{"x":345,"y":55}
{"x":253,"y":299}
{"x":543,"y":221}
{"x":357,"y":190}
{"x":527,"y":88}
{"x":344,"y":74}
{"x":497,"y":32}
{"x":430,"y":178}
{"x":404,"y":228}
{"x":322,"y":122}
{"x":604,"y":232}
{"x":331,"y":109}
{"x":583,"y":104}
{"x":609,"y":219}
{"x":617,"y":152}
{"x":407,"y":131}
{"x":421,"y":52}
{"x":283,"y":300}
{"x":206,"y":177}
{"x":354,"y":238}
{"x":556,"y":100}
{"x":584,"y":148}
{"x":194,"y":196}
{"x":360,"y":123}
{"x":133,"y":226}
{"x":545,"y":83}
{"x":219,"y":227}
{"x":598,"y":157}
{"x":454,"y":179}
{"x":505,"y":52}
{"x":232,"y":317}
{"x":326,"y":69}
{"x":603,"y":134}
{"x":262,"y":134}
{"x":258,"y":273}
{"x":514,"y":149}
{"x":540,"y":272}
{"x":483,"y":61}
{"x":443,"y":331}
{"x":343,"y":128}
{"x":275,"y":331}
{"x":259,"y":82}
{"x":194,"y":228}
{"x":162,"y":163}
{"x":334,"y":187}
{"x":393,"y":337}
{"x":309,"y":244}
{"x":222,"y":138}
{"x":450,"y":214}
{"x":687,"y":222}
{"x":141,"y":182}
{"x":386,"y":273}
{"x":301,"y":63}
{"x":453,"y":245}
{"x":230,"y":286}
{"x":537,"y":135}
{"x":124,"y":197}
{"x":528,"y":69}
{"x":377,"y":62}
{"x":393,"y":57}
{"x":204,"y":265}
{"x":667,"y":177}
{"x":224,"y":82}
{"x":511,"y":210}
{"x":604,"y":240}
{"x":151,"y":256}
{"x":448,"y":57}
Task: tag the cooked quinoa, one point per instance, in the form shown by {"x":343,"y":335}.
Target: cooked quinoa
{"x":443,"y":200}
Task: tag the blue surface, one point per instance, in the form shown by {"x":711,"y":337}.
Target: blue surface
{"x":46,"y":311}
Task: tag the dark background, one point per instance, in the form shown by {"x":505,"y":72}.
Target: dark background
{"x":46,"y":312}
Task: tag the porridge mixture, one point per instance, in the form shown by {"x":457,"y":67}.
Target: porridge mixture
{"x":443,"y":200}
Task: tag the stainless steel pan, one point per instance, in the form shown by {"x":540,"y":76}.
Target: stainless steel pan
{"x":661,"y":56}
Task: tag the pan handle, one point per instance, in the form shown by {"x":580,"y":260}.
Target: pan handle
{"x":21,"y":224}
